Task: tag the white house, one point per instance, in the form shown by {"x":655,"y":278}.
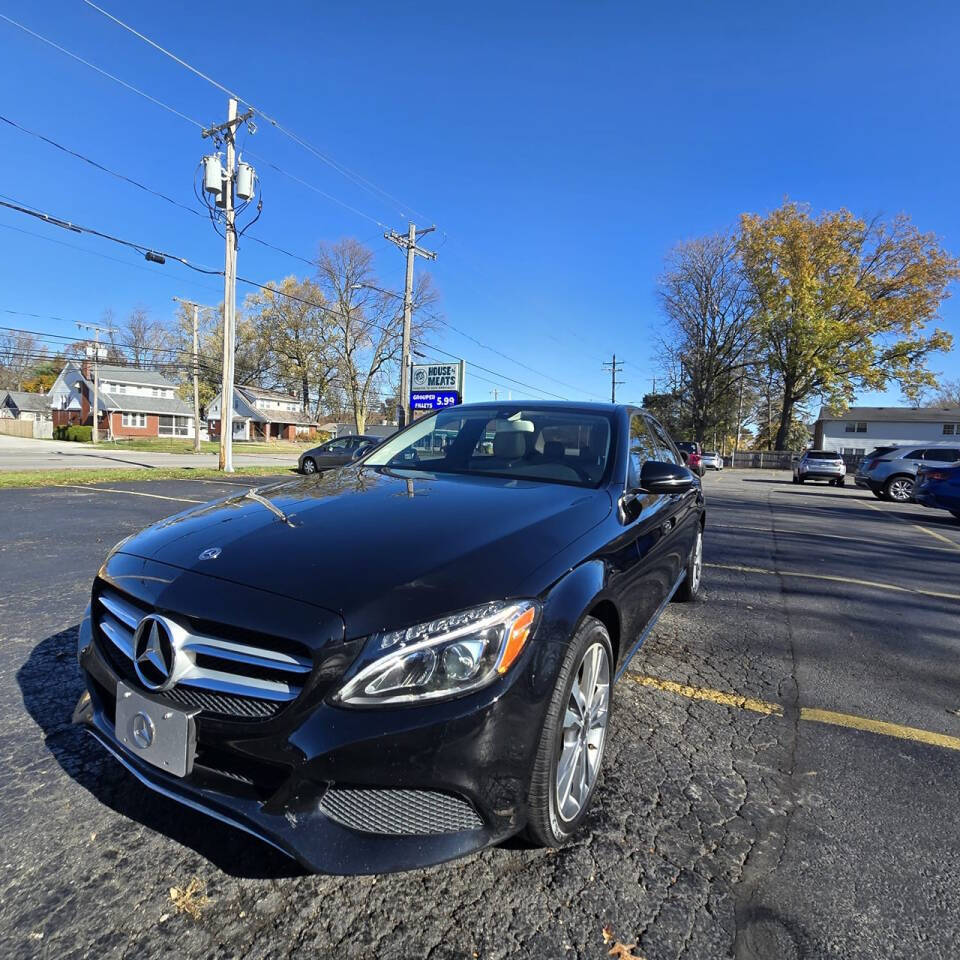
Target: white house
{"x":860,"y":429}
{"x":20,"y":405}
{"x":260,"y":414}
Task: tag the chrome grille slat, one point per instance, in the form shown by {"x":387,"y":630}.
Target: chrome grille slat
{"x":243,"y":654}
{"x":231,"y":672}
{"x":118,"y":635}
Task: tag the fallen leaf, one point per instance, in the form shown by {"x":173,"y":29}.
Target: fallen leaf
{"x":622,"y":951}
{"x":190,"y":899}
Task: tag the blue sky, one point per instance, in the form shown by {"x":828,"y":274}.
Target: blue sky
{"x":561,"y":148}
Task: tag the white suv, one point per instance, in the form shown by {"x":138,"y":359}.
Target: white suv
{"x":820,"y":465}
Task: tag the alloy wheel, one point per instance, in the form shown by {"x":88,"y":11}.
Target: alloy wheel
{"x":697,"y":570}
{"x":901,"y":489}
{"x":584,"y":731}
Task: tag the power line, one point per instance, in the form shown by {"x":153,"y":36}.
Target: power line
{"x":356,"y":178}
{"x":67,"y":225}
{"x":101,"y":71}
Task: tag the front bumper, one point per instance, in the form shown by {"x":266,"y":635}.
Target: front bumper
{"x":279,"y":776}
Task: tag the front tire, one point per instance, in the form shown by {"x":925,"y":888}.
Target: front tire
{"x":570,"y":753}
{"x":688,"y":590}
{"x":309,"y":465}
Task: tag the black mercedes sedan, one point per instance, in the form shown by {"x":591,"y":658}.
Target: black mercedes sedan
{"x":410,"y":658}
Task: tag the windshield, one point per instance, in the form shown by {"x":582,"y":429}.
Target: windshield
{"x":559,"y":446}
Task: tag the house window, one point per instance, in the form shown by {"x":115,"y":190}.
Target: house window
{"x":174,"y":426}
{"x":121,"y":388}
{"x":948,"y":429}
{"x":855,"y":426}
{"x":134,"y":420}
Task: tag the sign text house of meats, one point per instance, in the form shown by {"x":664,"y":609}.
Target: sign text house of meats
{"x":436,"y":376}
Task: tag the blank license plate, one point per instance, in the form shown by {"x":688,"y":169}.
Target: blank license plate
{"x":155,"y":732}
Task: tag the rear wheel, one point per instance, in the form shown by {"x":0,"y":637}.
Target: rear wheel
{"x":567,"y":765}
{"x":899,"y":489}
{"x":841,"y":482}
{"x":309,"y":465}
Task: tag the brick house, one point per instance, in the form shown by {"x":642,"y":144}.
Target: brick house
{"x":131,"y":402}
{"x":260,"y":414}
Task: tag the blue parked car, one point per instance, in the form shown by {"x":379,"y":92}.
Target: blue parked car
{"x":939,"y":487}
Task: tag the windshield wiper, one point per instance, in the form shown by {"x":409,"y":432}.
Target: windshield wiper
{"x":252,"y":494}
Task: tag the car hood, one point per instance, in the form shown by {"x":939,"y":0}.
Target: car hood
{"x":383,"y":548}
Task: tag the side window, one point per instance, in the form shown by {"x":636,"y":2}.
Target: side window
{"x":666,"y":452}
{"x":915,"y":455}
{"x":642,"y":449}
{"x":944,"y":455}
{"x":337,"y":446}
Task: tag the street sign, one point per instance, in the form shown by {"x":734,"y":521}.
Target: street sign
{"x":436,"y":385}
{"x":433,"y":399}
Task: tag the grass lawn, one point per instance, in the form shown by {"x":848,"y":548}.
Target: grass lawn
{"x":57,"y":478}
{"x":172,"y":445}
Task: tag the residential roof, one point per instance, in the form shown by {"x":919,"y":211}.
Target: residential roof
{"x":131,"y":403}
{"x":28,"y":402}
{"x":257,"y":392}
{"x":150,"y":378}
{"x":894,"y":414}
{"x":245,"y":410}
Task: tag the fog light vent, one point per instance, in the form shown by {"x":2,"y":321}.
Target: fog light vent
{"x":399,"y":812}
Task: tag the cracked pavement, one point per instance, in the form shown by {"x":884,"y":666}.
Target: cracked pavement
{"x":716,"y":832}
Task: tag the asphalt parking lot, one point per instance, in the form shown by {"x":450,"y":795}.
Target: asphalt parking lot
{"x":780,"y":780}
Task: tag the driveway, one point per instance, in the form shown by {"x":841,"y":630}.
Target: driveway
{"x":19,"y":453}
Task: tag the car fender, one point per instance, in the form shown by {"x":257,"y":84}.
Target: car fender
{"x":570,"y":599}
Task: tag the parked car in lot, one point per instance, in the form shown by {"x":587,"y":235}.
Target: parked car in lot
{"x":890,"y":472}
{"x":694,"y":456}
{"x":410,"y":658}
{"x":335,"y":453}
{"x":938,"y":487}
{"x":712,"y":461}
{"x":820,"y":465}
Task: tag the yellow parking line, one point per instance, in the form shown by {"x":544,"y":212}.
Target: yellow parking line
{"x":132,"y":493}
{"x":705,"y":693}
{"x":881,"y":727}
{"x":824,"y":576}
{"x":814,"y":715}
{"x":910,"y":523}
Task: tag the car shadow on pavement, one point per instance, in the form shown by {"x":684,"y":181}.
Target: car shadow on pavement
{"x":50,"y":683}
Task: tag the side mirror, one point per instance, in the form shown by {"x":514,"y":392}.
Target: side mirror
{"x":656,"y":477}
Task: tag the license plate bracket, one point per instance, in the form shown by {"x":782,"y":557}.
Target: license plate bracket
{"x":156,"y":732}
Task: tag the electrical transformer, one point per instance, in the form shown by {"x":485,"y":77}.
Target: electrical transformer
{"x":245,"y":181}
{"x":212,"y":174}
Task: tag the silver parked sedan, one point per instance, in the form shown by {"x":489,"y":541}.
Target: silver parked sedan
{"x":712,"y":461}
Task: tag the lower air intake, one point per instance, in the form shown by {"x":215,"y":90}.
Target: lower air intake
{"x":399,"y":812}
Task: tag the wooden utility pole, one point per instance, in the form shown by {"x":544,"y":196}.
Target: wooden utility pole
{"x":196,"y":373}
{"x":614,"y":369}
{"x":408,"y":243}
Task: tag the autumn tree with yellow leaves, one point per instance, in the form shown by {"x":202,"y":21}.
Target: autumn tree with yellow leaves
{"x":841,"y":304}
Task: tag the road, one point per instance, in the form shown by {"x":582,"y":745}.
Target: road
{"x":21,"y":453}
{"x":743,"y":811}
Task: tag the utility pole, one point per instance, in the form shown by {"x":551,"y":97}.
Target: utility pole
{"x":614,"y":369}
{"x":495,"y":393}
{"x":408,"y":243}
{"x":196,"y":372}
{"x":226,"y":132}
{"x":96,"y":376}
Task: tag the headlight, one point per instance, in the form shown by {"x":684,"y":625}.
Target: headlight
{"x":443,"y":658}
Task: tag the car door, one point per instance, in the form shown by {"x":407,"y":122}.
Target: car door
{"x":640,"y":572}
{"x":681,"y":509}
{"x":333,"y":453}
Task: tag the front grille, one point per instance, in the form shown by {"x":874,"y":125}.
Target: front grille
{"x":399,"y":812}
{"x":249,"y":680}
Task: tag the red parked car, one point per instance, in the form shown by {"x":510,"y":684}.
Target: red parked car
{"x":694,"y":453}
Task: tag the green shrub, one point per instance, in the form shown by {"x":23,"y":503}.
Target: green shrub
{"x":79,"y":434}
